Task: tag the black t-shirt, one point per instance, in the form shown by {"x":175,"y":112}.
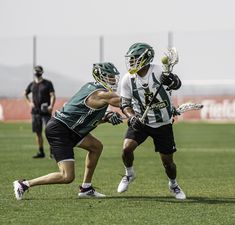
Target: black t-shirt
{"x":40,"y":94}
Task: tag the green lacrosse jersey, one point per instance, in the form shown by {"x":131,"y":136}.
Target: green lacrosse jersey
{"x":77,"y":115}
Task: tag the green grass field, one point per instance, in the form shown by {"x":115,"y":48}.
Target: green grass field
{"x":206,"y":172}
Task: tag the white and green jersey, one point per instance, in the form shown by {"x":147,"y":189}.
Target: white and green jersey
{"x":77,"y":115}
{"x":142,"y":89}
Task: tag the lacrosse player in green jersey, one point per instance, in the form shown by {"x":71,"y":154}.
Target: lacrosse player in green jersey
{"x":71,"y":127}
{"x":137,"y":90}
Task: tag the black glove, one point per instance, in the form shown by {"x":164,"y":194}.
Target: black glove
{"x":113,"y":117}
{"x":166,"y":79}
{"x":175,"y":112}
{"x":135,"y":123}
{"x":171,"y":80}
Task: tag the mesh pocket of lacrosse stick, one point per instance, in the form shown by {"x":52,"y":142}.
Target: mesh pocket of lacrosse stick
{"x":188,"y":107}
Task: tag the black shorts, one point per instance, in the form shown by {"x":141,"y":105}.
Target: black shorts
{"x":163,"y":137}
{"x":61,"y":139}
{"x":38,"y":121}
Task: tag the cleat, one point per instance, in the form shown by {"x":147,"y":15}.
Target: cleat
{"x":89,"y":192}
{"x":39,"y":155}
{"x":177,"y":192}
{"x":19,"y":189}
{"x":123,"y":185}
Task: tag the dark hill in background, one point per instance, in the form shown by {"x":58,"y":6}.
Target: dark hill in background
{"x":14,"y":80}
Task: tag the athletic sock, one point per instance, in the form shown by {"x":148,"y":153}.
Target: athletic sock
{"x":25,"y":182}
{"x":129,"y":171}
{"x":173,"y":182}
{"x":41,"y":149}
{"x":86,"y":185}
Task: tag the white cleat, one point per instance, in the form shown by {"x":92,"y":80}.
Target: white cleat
{"x":123,"y":185}
{"x":19,"y":189}
{"x":89,"y":192}
{"x":177,"y":192}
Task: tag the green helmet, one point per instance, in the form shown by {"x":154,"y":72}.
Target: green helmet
{"x":106,"y":74}
{"x":138,"y":56}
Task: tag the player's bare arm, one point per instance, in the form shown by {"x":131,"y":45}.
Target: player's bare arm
{"x":100,"y":99}
{"x":52,"y":100}
{"x":126,"y":107}
{"x":28,"y":100}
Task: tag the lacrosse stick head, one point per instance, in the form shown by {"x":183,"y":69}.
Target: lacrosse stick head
{"x":170,"y":59}
{"x":173,"y":55}
{"x":189,"y":106}
{"x":138,"y":56}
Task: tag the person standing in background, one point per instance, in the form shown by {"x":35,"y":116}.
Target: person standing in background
{"x":41,"y":104}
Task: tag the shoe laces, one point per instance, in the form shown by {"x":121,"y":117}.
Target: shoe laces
{"x":24,"y":187}
{"x":126,"y":178}
{"x":91,"y":189}
{"x":176,"y":189}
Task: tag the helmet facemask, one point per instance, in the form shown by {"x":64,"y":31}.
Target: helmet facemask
{"x":108,"y":77}
{"x":138,"y":56}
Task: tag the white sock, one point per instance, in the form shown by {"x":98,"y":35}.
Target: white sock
{"x":173,"y":182}
{"x":86,"y":185}
{"x":129,"y":171}
{"x":26,"y":183}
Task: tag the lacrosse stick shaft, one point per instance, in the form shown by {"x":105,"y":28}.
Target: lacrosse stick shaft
{"x":150,"y":104}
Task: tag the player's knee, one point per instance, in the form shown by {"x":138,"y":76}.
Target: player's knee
{"x":129,"y":146}
{"x":68,"y":178}
{"x":97,"y":147}
{"x":128,"y":149}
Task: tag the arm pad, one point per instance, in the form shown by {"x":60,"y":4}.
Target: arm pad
{"x":125,"y":102}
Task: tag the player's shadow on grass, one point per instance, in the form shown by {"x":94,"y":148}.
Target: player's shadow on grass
{"x":167,"y":199}
{"x":189,"y":200}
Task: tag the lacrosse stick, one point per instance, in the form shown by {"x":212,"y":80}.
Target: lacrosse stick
{"x":150,"y":104}
{"x":170,"y":59}
{"x":189,"y":106}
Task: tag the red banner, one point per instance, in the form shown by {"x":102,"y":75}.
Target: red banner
{"x":18,"y":109}
{"x":215,"y":108}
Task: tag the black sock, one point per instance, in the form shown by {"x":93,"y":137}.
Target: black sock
{"x":41,"y":150}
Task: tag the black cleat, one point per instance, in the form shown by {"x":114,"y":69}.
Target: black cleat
{"x":39,"y":155}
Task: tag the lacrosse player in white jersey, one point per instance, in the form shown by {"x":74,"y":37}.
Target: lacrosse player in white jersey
{"x":137,"y":89}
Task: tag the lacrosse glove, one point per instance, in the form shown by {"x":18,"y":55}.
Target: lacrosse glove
{"x":172,"y":81}
{"x":175,"y":112}
{"x":113,"y":117}
{"x":135,"y":123}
